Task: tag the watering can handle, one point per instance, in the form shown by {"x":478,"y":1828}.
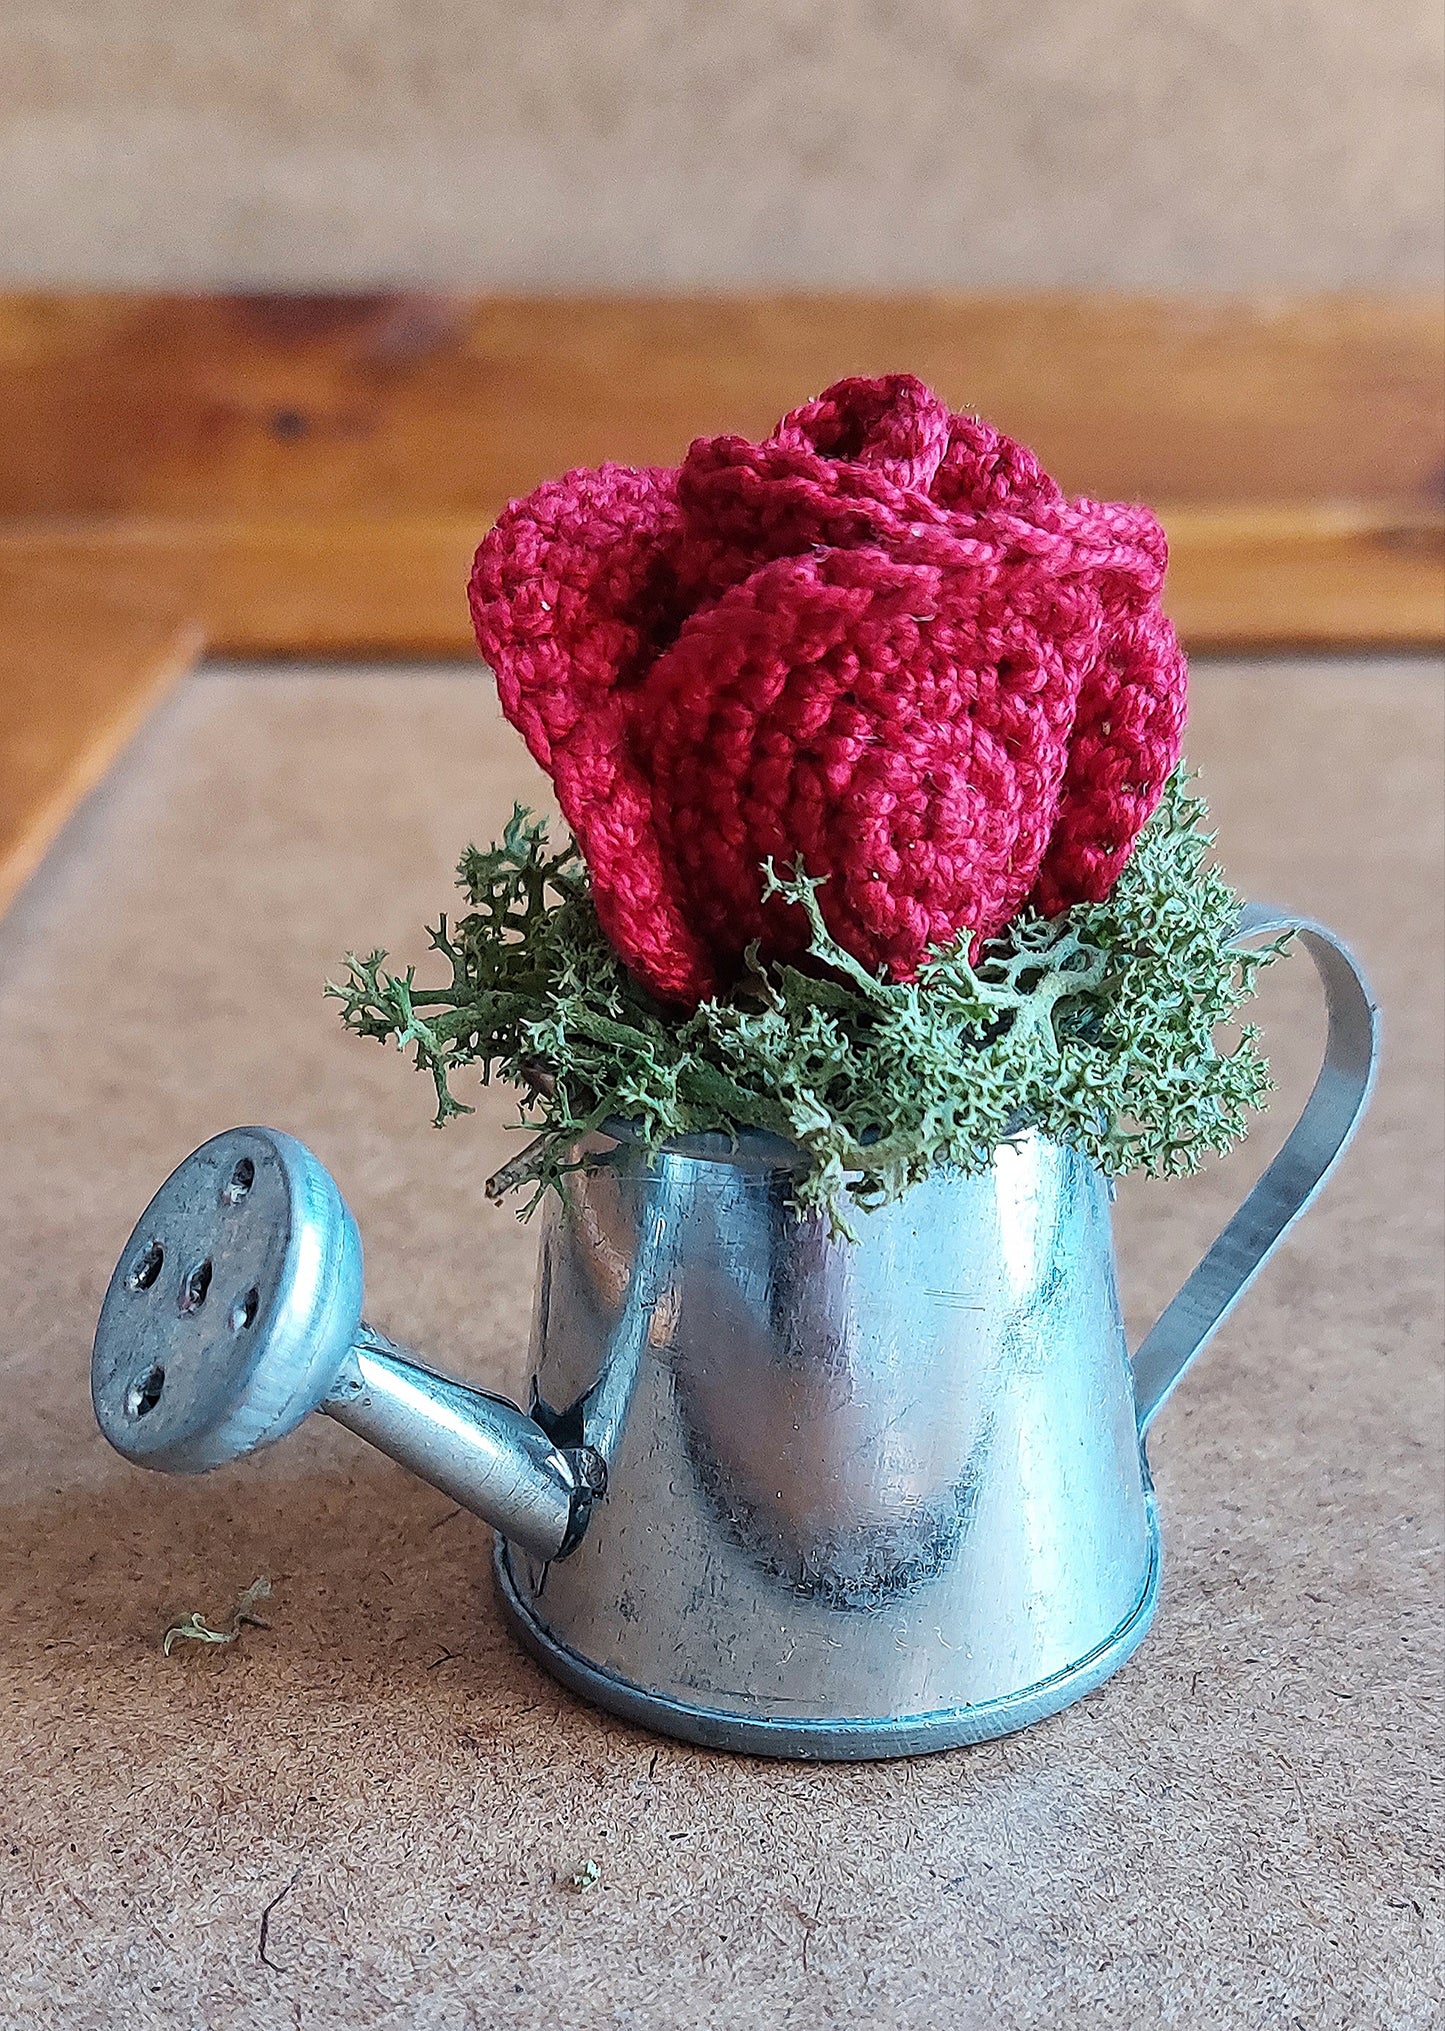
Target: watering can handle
{"x":1315,"y":1143}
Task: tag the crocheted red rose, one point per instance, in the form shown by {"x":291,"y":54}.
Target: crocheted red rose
{"x":882,"y":643}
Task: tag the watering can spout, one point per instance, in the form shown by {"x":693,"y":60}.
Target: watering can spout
{"x":235,"y":1311}
{"x":480,"y":1449}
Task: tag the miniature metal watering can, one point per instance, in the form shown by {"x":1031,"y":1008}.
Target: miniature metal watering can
{"x":777,"y":1490}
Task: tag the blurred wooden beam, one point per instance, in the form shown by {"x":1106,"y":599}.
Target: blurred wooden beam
{"x":1251,"y":578}
{"x":228,"y":408}
{"x":308,"y":476}
{"x":1257,"y":579}
{"x":79,"y":673}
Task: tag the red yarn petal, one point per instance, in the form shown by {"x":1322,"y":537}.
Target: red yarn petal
{"x":866,"y":716}
{"x":1130,"y":723}
{"x":982,"y":469}
{"x":1126,"y":744}
{"x":567,"y":599}
{"x":895,"y":425}
{"x":567,"y":595}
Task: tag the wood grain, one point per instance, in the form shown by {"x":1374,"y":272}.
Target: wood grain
{"x":1286,"y":577}
{"x":78,"y":675}
{"x":308,"y":476}
{"x":227,"y":408}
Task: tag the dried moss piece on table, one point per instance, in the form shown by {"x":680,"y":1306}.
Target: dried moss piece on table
{"x":1099,"y":1027}
{"x":194,"y":1628}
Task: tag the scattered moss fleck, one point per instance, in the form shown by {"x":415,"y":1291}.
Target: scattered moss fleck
{"x":193,"y":1629}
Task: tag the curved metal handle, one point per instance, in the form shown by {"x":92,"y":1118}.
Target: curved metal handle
{"x":1315,"y":1143}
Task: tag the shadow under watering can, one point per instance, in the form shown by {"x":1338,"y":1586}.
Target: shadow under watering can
{"x":779,"y":1490}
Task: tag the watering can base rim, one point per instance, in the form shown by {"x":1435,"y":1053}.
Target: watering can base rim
{"x":834,"y":1741}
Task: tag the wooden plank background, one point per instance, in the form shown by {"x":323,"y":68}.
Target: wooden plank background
{"x":308,"y":476}
{"x":78,"y":676}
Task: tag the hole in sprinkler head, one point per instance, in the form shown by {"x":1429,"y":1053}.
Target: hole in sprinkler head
{"x":146,"y":1267}
{"x":143,"y":1396}
{"x":239,"y":1183}
{"x":244,"y":1311}
{"x":193,"y":1290}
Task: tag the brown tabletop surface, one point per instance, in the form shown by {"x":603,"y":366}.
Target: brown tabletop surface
{"x":370,"y":1812}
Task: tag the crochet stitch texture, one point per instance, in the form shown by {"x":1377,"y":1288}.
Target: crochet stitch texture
{"x":881,"y":643}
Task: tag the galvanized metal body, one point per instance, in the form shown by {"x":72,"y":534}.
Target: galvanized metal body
{"x":890,"y":1487}
{"x":778,"y":1490}
{"x":873,"y":1497}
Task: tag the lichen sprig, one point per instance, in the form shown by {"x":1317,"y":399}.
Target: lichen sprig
{"x":1113,"y":1028}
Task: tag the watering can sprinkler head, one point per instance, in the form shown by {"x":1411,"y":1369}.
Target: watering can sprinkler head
{"x":235,"y":1311}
